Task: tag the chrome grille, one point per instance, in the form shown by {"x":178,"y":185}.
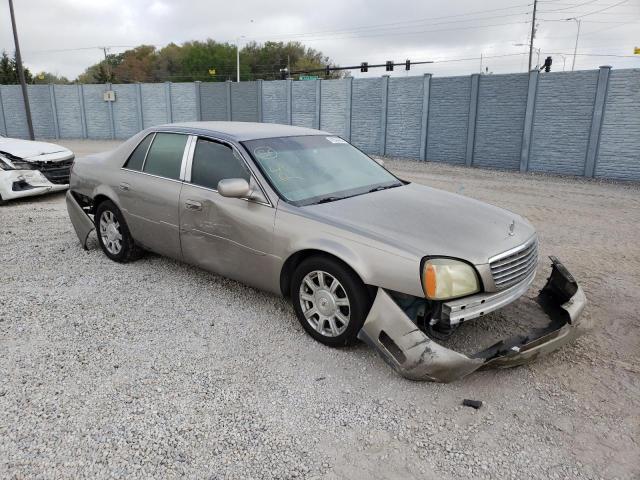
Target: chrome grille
{"x":515,"y":265}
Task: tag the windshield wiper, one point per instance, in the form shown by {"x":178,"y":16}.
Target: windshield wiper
{"x":327,"y":200}
{"x":383,"y":187}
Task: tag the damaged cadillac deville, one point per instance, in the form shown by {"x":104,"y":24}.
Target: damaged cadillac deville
{"x":301,"y":213}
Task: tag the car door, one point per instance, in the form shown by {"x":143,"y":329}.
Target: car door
{"x":149,"y":192}
{"x":229,"y":236}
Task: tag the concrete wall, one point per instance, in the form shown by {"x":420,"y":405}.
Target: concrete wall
{"x":576,"y":123}
{"x":448,"y":119}
{"x":502,"y":103}
{"x":619,"y":152}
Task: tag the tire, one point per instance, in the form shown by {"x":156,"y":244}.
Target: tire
{"x":116,"y":241}
{"x":327,"y":324}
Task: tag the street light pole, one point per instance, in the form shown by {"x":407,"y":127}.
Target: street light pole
{"x":537,"y":49}
{"x":23,"y":83}
{"x":575,"y":50}
{"x":238,"y":59}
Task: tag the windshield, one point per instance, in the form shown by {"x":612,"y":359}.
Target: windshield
{"x":316,"y":169}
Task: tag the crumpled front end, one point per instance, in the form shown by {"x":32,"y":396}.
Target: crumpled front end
{"x":415,"y":356}
{"x":26,"y":183}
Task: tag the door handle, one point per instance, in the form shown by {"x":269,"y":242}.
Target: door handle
{"x":125,"y":187}
{"x":193,"y":205}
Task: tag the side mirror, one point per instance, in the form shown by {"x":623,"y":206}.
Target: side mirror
{"x":379,"y":161}
{"x":234,"y":188}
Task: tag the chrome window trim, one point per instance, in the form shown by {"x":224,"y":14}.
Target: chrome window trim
{"x":153,"y":175}
{"x":146,"y":154}
{"x":238,"y":155}
{"x":186,"y":155}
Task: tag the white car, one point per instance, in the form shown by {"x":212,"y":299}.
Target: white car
{"x":32,"y":168}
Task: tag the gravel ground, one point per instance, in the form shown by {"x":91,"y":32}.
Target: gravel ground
{"x":158,"y":369}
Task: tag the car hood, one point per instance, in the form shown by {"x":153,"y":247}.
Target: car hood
{"x":30,"y":150}
{"x":426,"y":221}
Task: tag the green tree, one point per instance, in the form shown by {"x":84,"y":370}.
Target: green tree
{"x":46,"y":77}
{"x":168,"y":65}
{"x":200,"y":57}
{"x":206,"y":61}
{"x":9,"y":72}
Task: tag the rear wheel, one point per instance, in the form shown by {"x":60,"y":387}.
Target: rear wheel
{"x":330,"y":301}
{"x":113,"y":234}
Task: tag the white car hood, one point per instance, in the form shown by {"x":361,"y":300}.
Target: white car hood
{"x":31,"y":150}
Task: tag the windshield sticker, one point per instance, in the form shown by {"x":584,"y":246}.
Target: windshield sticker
{"x":265,"y":153}
{"x":336,"y":140}
{"x":282,"y":172}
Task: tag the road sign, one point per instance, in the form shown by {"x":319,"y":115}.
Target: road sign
{"x":212,"y":72}
{"x":636,"y":51}
{"x":308,"y":77}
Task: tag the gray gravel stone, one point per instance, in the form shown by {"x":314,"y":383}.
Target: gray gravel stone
{"x":159,"y":369}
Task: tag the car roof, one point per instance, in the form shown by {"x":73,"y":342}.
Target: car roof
{"x":240,"y":131}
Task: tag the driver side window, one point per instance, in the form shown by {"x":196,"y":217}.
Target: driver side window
{"x":214,"y":161}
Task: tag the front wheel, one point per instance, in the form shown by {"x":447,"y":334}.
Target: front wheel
{"x":113,"y":234}
{"x":330,"y":301}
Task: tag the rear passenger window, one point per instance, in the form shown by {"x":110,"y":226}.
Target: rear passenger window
{"x":165,"y":155}
{"x":213,"y":162}
{"x":137,"y":157}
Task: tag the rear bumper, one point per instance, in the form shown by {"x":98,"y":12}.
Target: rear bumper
{"x":415,"y":356}
{"x":82,"y":224}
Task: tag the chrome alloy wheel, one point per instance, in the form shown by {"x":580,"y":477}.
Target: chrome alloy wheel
{"x":325,"y":303}
{"x":110,"y":232}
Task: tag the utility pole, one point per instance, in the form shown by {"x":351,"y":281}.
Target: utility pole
{"x":575,"y":50}
{"x":23,"y":83}
{"x":107,"y":67}
{"x":533,"y":32}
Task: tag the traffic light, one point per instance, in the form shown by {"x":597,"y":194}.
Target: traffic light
{"x":389,"y":66}
{"x":407,"y":64}
{"x":364,"y":67}
{"x":547,"y":64}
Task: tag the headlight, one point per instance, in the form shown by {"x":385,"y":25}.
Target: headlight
{"x":445,"y":278}
{"x":22,"y":165}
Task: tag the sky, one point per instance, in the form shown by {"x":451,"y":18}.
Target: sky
{"x":64,"y":36}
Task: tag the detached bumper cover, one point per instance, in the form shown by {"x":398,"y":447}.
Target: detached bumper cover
{"x":82,"y":224}
{"x":415,"y":356}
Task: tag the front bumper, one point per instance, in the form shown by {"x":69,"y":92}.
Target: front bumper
{"x":417,"y":357}
{"x":26,"y":183}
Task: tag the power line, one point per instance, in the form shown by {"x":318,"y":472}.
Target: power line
{"x":602,"y":10}
{"x":419,"y":32}
{"x":594,"y":55}
{"x":567,"y":8}
{"x":83,"y":48}
{"x":355,"y":31}
{"x":399,"y":23}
